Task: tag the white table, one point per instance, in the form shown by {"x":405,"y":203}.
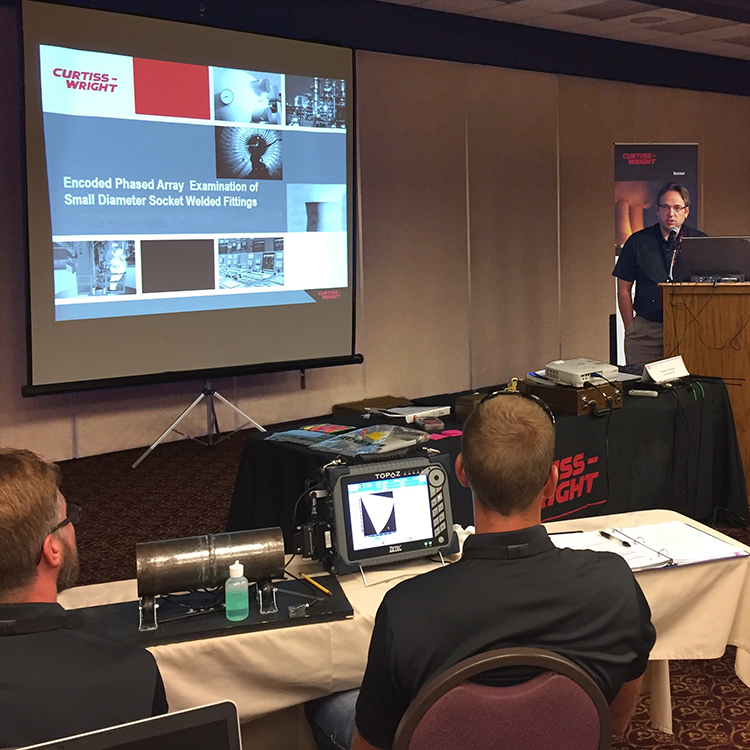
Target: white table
{"x":697,"y":610}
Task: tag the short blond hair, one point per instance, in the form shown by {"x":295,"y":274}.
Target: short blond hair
{"x":29,"y":509}
{"x":508,"y":446}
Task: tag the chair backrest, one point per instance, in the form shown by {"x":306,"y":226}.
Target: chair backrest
{"x":561,"y":709}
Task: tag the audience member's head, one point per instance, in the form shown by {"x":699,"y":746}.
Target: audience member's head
{"x":37,"y":540}
{"x":508,"y":447}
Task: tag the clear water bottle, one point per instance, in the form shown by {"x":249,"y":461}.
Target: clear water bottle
{"x":235,"y":593}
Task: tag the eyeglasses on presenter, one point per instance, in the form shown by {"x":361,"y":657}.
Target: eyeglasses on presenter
{"x":668,"y":208}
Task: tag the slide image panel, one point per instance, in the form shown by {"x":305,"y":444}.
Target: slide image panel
{"x":247,"y":96}
{"x":316,"y":208}
{"x":177,"y":265}
{"x":378,"y":514}
{"x":171,"y":89}
{"x":248,"y":153}
{"x":94,"y":268}
{"x":251,"y":262}
{"x":316,"y":102}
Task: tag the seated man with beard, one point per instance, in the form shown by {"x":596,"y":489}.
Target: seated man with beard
{"x":55,"y":681}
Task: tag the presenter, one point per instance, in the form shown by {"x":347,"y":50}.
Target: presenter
{"x":646,"y":260}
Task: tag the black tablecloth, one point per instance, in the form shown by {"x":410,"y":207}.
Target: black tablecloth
{"x":678,"y":451}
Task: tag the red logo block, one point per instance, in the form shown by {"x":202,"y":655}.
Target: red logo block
{"x":171,"y":89}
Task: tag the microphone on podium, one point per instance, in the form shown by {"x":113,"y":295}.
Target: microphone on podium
{"x":672,"y":245}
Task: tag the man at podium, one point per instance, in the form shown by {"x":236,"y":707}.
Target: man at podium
{"x":646,"y":260}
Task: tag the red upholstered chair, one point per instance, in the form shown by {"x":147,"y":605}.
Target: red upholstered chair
{"x":560,"y":709}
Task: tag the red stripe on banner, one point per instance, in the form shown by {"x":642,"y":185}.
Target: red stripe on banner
{"x":171,"y":89}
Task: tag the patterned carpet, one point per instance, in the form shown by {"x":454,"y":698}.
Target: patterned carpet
{"x":184,"y":489}
{"x":181,"y":489}
{"x":711,"y":710}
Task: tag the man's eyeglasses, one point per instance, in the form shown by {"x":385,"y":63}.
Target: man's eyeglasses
{"x":74,"y":516}
{"x":676,"y":209}
{"x":511,"y":391}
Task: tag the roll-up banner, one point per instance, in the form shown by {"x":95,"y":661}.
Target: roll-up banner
{"x":641,"y":170}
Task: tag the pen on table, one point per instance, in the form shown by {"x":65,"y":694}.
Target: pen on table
{"x":316,"y":584}
{"x":615,"y":539}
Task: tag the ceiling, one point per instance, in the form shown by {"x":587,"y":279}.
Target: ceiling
{"x":714,"y":27}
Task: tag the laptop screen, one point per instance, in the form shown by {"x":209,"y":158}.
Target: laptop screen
{"x":212,"y":727}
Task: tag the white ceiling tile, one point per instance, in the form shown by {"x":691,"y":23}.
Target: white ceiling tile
{"x":558,"y":21}
{"x":649,"y":20}
{"x":458,"y":6}
{"x":402,"y":2}
{"x":737,"y":29}
{"x":616,"y":25}
{"x":559,"y":6}
{"x":743,"y":52}
{"x":638,"y":35}
{"x":727,"y":50}
{"x":512,"y":12}
{"x":589,"y":29}
{"x":675,"y":41}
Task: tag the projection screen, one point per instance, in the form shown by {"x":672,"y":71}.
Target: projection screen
{"x":190,"y":208}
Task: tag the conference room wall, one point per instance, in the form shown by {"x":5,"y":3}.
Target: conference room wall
{"x":412,"y":167}
{"x":453,"y":293}
{"x":725,"y":152}
{"x":592,"y":116}
{"x":513,"y":232}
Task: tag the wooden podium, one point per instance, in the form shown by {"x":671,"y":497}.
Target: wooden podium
{"x":709,"y":325}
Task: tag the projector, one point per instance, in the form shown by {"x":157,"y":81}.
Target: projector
{"x":580,"y":372}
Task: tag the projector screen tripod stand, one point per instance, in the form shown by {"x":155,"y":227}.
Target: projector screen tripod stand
{"x":212,"y":423}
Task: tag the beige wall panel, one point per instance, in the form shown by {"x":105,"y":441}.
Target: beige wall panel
{"x":118,"y":419}
{"x":671,"y":116}
{"x":278,"y":397}
{"x":513,"y":222}
{"x":725,"y":161}
{"x":42,"y":424}
{"x":412,"y":172}
{"x":593,"y":116}
{"x":667,"y":115}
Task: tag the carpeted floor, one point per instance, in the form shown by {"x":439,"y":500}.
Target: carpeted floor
{"x":184,"y":489}
{"x":181,"y":489}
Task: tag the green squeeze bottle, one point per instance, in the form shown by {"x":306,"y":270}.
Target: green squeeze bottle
{"x":235,"y":593}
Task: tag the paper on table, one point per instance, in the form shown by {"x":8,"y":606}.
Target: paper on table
{"x":684,"y":543}
{"x":636,"y":555}
{"x":654,"y":546}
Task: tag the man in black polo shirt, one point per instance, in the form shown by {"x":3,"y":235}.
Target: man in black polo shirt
{"x":55,"y":681}
{"x":646,"y":259}
{"x":511,"y":588}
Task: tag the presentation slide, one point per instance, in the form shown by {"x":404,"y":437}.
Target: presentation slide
{"x":184,"y":198}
